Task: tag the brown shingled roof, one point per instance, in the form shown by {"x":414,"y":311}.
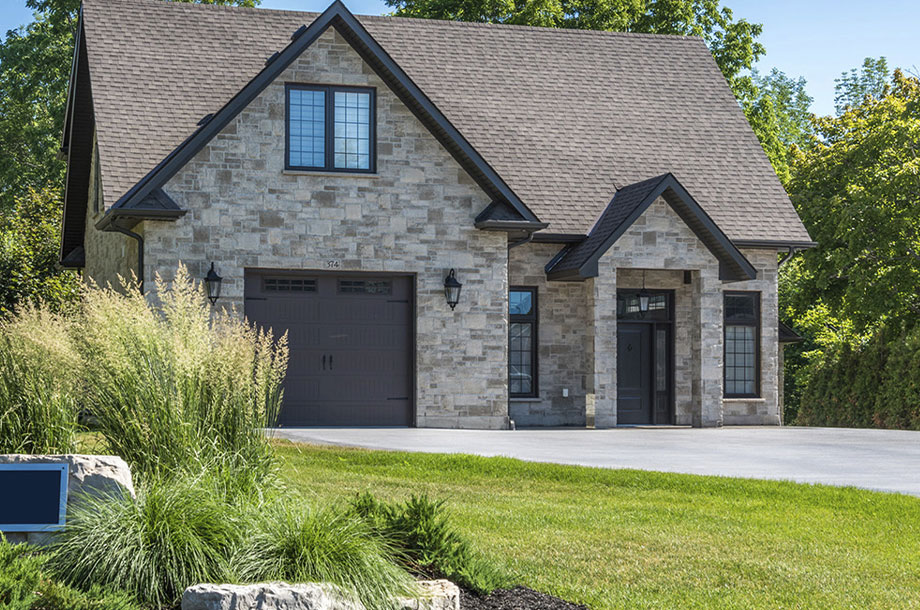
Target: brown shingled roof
{"x":563,"y":116}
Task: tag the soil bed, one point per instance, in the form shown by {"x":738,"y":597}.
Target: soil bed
{"x":518,"y":598}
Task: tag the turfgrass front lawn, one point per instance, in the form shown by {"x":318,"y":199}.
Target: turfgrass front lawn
{"x":630,"y":539}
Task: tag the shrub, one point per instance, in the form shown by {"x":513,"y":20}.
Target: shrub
{"x":177,"y":532}
{"x":872,"y":383}
{"x":38,"y":383}
{"x":419,"y":530}
{"x":176,"y":386}
{"x":53,"y":595}
{"x":296,"y":544}
{"x":20,"y":572}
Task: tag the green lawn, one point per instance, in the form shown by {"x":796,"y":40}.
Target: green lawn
{"x":630,"y":539}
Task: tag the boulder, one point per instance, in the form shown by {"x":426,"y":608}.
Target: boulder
{"x":92,"y":475}
{"x":436,"y":595}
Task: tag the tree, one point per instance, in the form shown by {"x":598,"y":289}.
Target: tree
{"x":732,"y":42}
{"x":857,"y":188}
{"x":29,"y":247}
{"x":852,"y":87}
{"x":35,"y":62}
{"x":778,"y":111}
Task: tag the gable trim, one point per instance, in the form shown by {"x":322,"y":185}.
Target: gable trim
{"x":733,"y":264}
{"x":339,"y":17}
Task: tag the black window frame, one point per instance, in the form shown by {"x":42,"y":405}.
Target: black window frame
{"x":534,"y":319}
{"x":757,"y":326}
{"x":329,"y":128}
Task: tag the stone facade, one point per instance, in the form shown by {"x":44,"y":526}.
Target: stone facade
{"x":109,"y":255}
{"x":563,"y":335}
{"x":414,"y":216}
{"x":577,"y":324}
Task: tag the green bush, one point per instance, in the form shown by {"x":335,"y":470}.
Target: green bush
{"x":874,"y":383}
{"x":53,"y":595}
{"x":176,"y":386}
{"x":419,"y":530}
{"x":20,"y":573}
{"x":177,"y":532}
{"x":38,"y":383}
{"x":296,"y":544}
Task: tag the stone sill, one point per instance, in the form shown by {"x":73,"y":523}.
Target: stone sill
{"x":320,"y":174}
{"x":526,"y":399}
{"x":744,"y":400}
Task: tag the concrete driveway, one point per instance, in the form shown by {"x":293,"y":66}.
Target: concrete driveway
{"x":885,"y":460}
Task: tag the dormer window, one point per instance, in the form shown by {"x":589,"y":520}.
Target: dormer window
{"x":330,"y":128}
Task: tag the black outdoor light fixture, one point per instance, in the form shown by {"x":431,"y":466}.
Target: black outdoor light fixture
{"x":452,"y":289}
{"x":212,"y":283}
{"x":644,"y":297}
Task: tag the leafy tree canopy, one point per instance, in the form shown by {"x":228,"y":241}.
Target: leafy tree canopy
{"x":29,"y":248}
{"x":857,"y":188}
{"x":778,"y":110}
{"x":35,"y":62}
{"x":732,"y":42}
{"x":869,"y":79}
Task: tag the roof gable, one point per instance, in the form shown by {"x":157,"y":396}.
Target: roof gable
{"x":581,"y":261}
{"x":340,"y":18}
{"x":564,"y":117}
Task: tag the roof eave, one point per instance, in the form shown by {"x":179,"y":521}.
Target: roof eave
{"x":510,"y":225}
{"x":774,"y":244}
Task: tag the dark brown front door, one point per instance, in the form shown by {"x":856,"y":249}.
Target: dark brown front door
{"x":634,"y":373}
{"x":350,"y":345}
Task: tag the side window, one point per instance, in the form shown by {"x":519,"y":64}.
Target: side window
{"x":522,"y":342}
{"x":742,"y":344}
{"x":330,"y":128}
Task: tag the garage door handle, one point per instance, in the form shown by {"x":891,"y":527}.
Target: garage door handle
{"x":330,"y":362}
{"x":324,"y":362}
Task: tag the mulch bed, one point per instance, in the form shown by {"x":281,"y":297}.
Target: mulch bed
{"x":518,"y":598}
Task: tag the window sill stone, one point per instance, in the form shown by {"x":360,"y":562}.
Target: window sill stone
{"x":525,"y":399}
{"x":308,"y":172}
{"x":744,"y":400}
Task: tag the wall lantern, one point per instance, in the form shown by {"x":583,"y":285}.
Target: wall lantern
{"x":212,"y":283}
{"x":644,"y":297}
{"x":452,"y":289}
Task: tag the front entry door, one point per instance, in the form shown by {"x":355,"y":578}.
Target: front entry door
{"x":644,"y":358}
{"x":634,"y":373}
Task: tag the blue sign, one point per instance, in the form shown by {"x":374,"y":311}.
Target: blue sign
{"x":34,"y":497}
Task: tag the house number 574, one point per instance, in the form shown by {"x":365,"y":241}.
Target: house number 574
{"x":333,"y":264}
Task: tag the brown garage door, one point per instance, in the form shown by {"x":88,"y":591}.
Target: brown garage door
{"x":350,"y":341}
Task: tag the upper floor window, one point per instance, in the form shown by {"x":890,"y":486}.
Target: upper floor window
{"x":742,"y":344}
{"x":330,"y":128}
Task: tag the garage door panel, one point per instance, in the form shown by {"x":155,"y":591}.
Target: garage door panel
{"x":350,"y":345}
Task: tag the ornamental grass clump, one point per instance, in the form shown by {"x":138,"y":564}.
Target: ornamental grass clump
{"x":176,"y":533}
{"x":294,"y":543}
{"x":176,"y":385}
{"x":38,"y":383}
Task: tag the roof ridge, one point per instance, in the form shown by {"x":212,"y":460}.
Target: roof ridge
{"x":192,"y":7}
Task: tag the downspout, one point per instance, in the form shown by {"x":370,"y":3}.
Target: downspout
{"x":140,"y":252}
{"x":521,"y":242}
{"x":785,"y":259}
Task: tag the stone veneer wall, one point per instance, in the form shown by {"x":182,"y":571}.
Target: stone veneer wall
{"x":415,"y":216}
{"x":577,"y":325}
{"x":108,"y":255}
{"x":563,"y":315}
{"x":766,"y":409}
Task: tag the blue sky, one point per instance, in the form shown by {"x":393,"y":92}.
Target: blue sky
{"x":817,"y":39}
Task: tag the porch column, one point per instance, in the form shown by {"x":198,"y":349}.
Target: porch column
{"x":603,"y":349}
{"x":708,"y":352}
